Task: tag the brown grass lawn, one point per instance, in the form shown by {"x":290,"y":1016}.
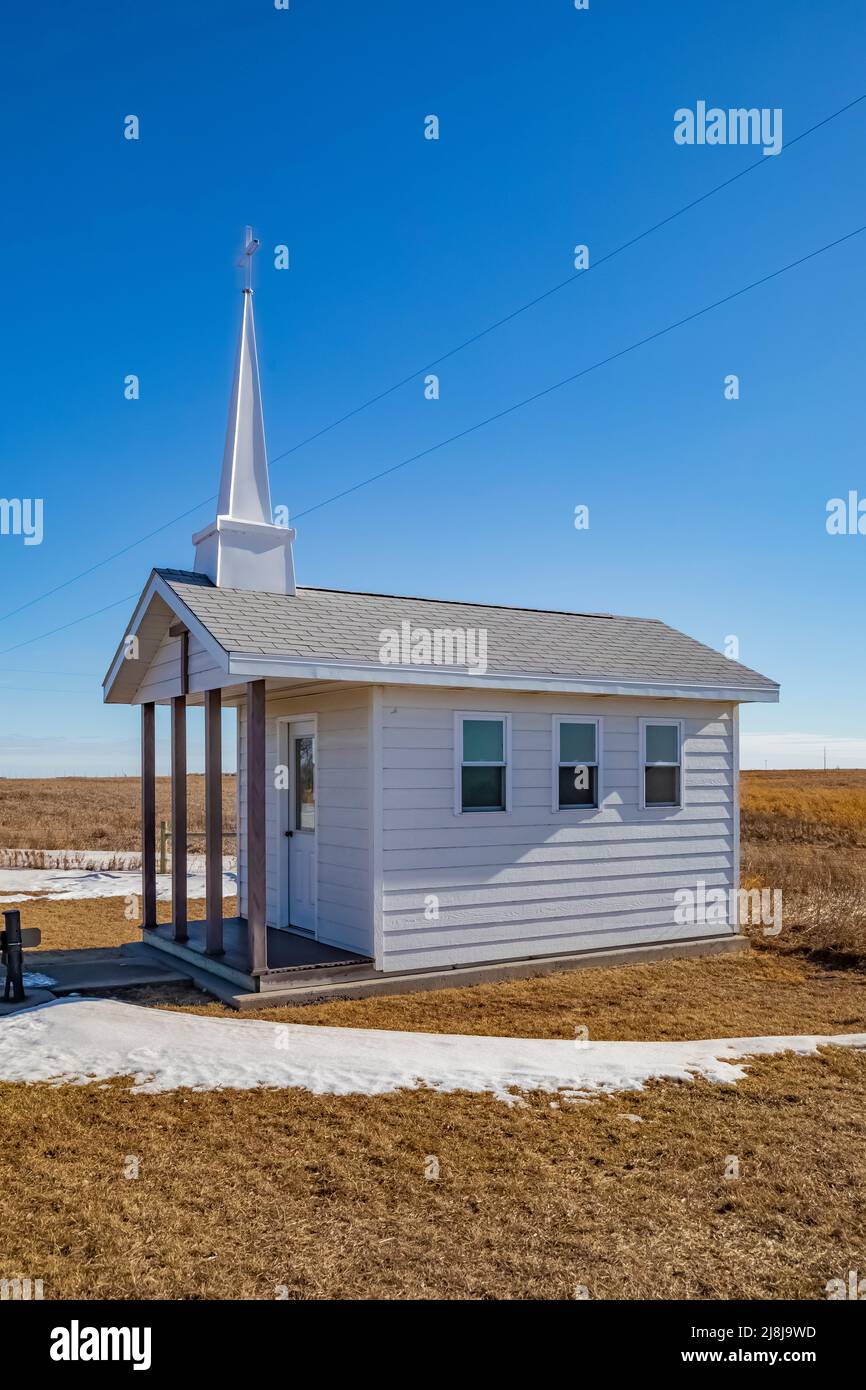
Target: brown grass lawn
{"x":670,"y":1000}
{"x":81,"y":923}
{"x":327,"y":1195}
{"x":240,"y":1192}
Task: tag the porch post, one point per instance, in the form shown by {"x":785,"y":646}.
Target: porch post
{"x":178,"y":817}
{"x":256,"y":848}
{"x":213,"y":803}
{"x":148,"y":814}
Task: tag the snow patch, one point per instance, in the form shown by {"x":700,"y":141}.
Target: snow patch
{"x":19,"y":885}
{"x":92,"y":859}
{"x":82,"y":1040}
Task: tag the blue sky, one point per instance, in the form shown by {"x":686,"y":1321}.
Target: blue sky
{"x":556,"y":128}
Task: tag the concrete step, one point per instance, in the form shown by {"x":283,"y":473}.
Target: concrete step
{"x":223,"y":990}
{"x":97,"y":969}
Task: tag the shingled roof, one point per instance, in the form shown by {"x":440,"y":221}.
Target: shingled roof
{"x":335,"y":626}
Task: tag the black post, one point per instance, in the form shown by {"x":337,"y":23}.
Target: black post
{"x":13,"y":957}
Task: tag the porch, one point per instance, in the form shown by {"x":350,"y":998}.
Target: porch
{"x":292,"y":959}
{"x":246,"y":952}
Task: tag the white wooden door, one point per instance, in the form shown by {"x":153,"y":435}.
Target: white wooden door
{"x":302,"y":824}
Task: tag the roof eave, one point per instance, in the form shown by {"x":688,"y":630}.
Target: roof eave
{"x":253,"y":666}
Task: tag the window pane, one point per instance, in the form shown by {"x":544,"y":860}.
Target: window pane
{"x":483,"y":741}
{"x":484,"y":789}
{"x":662,"y":786}
{"x":577,"y":743}
{"x":662,"y":743}
{"x":578,"y":786}
{"x":305,"y":793}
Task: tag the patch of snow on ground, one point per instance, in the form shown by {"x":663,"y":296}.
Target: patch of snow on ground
{"x":95,"y":883}
{"x":93,"y":859}
{"x":81,"y":1040}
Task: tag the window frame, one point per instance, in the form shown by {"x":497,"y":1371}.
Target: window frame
{"x":460,"y":717}
{"x":679,"y":725}
{"x":557,"y":721}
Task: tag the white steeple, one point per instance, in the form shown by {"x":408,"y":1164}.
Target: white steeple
{"x":242,"y":549}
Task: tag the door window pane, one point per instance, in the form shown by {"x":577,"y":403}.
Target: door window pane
{"x":483,"y":741}
{"x":305,"y":785}
{"x":662,"y":743}
{"x":483,"y":788}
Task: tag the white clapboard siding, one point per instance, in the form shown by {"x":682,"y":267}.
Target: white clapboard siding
{"x":602,"y":934}
{"x":342,"y":857}
{"x":514,"y":879}
{"x":161,"y":680}
{"x":439,"y":936}
{"x":505,"y":896}
{"x":487,"y":860}
{"x":527,"y":831}
{"x":343,"y":812}
{"x":536,"y":881}
{"x":562,"y":908}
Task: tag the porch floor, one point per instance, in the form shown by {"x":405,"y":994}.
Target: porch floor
{"x":287,"y":954}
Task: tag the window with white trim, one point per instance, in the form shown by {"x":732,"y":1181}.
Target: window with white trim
{"x":575,"y":762}
{"x":662,"y":759}
{"x":482,"y":762}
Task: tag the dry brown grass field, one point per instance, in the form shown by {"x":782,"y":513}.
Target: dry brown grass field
{"x":805,"y":833}
{"x":93,"y":812}
{"x":327,"y":1195}
{"x":825,"y":807}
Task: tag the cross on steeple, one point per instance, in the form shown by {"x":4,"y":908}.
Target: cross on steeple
{"x":251,"y":246}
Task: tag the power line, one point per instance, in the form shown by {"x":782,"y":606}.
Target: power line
{"x":44,"y":690}
{"x":570,"y":280}
{"x":575,"y":376}
{"x":40,"y":671}
{"x":95,"y":614}
{"x":518,"y":405}
{"x":499,"y":323}
{"x":99,"y":563}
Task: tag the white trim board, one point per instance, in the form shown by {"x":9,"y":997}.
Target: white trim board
{"x":245,"y":666}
